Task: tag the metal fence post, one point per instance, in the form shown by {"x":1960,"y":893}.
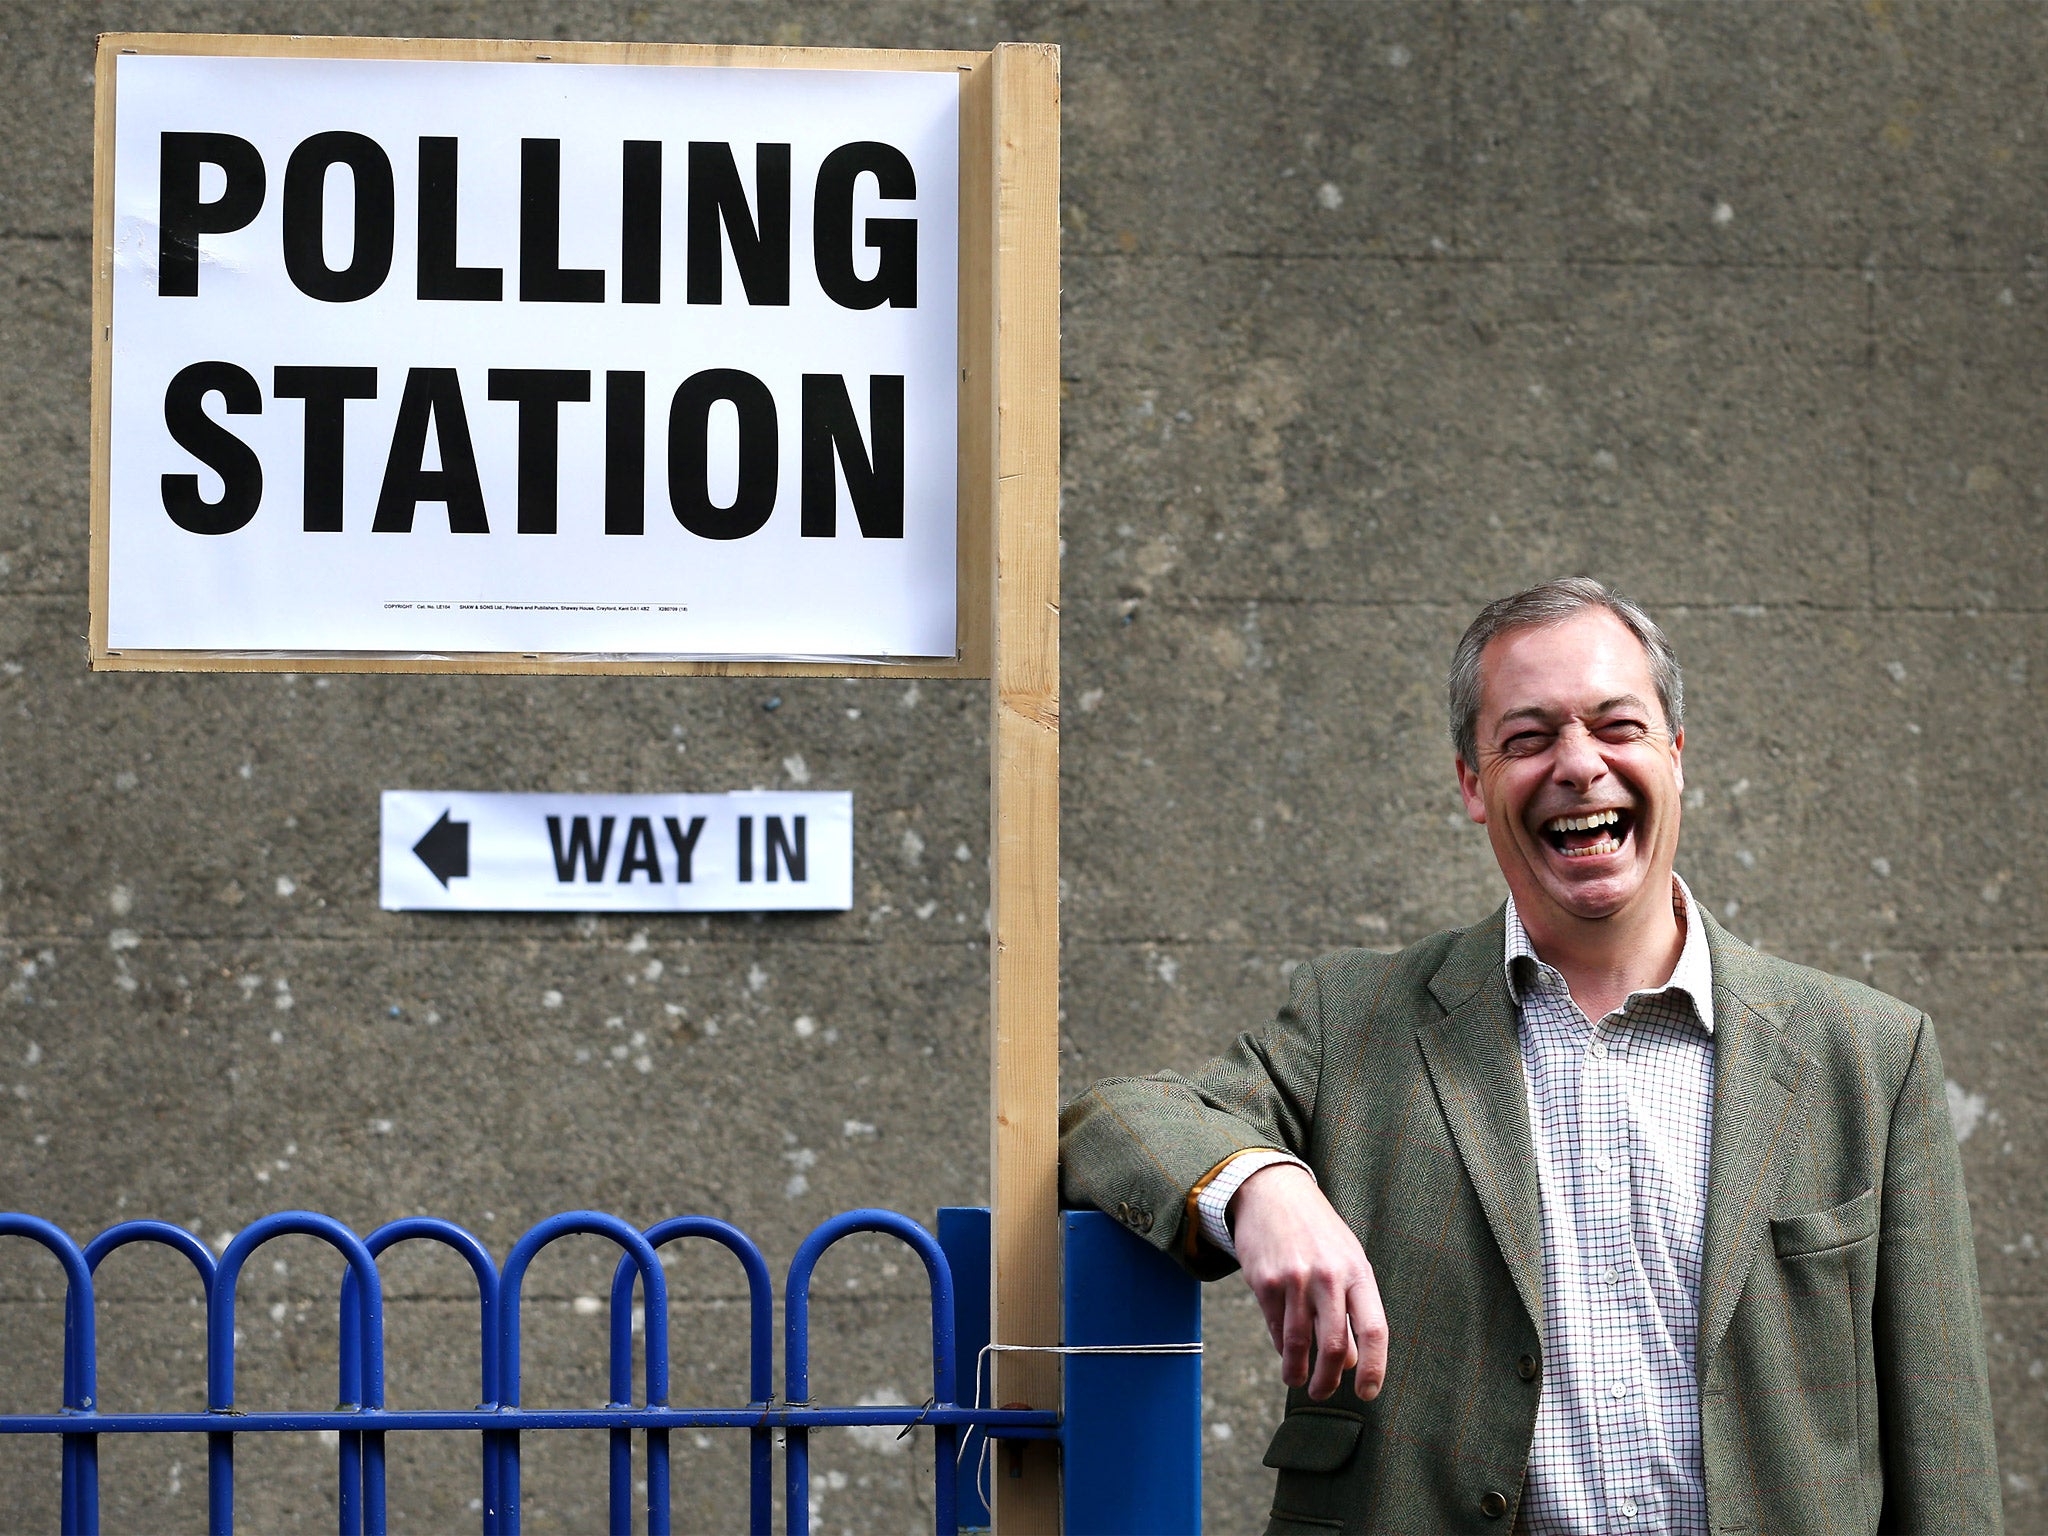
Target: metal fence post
{"x":1132,"y":1433}
{"x":964,"y":1233}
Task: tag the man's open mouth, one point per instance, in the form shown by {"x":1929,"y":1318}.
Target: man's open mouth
{"x":1589,"y":835}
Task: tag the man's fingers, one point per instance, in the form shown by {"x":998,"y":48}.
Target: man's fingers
{"x":1330,"y":1367}
{"x":1296,"y":1337}
{"x":1273,"y":1304}
{"x":1333,"y":1341}
{"x":1369,"y":1328}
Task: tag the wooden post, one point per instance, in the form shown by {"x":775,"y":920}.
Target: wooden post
{"x":1024,"y":745}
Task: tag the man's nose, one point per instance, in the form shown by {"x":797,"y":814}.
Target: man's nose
{"x":1578,"y":761}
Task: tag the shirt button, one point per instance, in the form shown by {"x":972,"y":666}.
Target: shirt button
{"x":1599,"y":1047}
{"x":1619,"y":1389}
{"x":1613,"y":1275}
{"x":1493,"y":1504}
{"x":1628,"y":1509}
{"x":1604,"y":1164}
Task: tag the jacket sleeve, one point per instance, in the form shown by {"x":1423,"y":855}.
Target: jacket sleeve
{"x":1136,"y":1147}
{"x":1934,"y":1401}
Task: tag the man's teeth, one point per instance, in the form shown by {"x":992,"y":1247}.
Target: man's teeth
{"x":1604,"y":846}
{"x":1591,"y":822}
{"x":1583,"y":823}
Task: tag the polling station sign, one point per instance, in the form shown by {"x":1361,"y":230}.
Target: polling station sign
{"x":433,"y":357}
{"x":753,"y":851}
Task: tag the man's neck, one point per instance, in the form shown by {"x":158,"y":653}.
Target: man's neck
{"x":1604,"y":960}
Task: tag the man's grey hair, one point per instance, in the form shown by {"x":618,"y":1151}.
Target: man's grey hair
{"x":1552,"y":602}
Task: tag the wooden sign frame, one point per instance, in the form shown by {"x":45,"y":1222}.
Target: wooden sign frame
{"x":1008,"y":608}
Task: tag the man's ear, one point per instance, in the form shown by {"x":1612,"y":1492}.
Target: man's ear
{"x":1468,"y":790}
{"x":1678,"y":757}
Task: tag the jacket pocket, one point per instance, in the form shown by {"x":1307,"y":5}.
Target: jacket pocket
{"x":1314,"y":1440}
{"x":1817,"y":1232}
{"x":1310,"y":1450}
{"x":1280,"y":1523}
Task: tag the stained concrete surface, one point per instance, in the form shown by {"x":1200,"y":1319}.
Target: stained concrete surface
{"x":1372,"y":311}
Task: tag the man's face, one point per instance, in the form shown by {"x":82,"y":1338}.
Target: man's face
{"x":1569,"y":729}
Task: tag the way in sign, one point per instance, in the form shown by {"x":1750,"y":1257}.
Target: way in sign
{"x":745,"y":851}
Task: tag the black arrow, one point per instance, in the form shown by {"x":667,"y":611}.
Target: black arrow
{"x":445,"y":849}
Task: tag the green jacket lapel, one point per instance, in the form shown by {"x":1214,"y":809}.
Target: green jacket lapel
{"x":1473,"y":1052}
{"x":1764,"y":1074}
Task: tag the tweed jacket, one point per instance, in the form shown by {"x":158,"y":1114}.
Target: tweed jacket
{"x":1840,"y":1351}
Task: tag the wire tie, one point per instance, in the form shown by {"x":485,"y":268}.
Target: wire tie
{"x":929,"y":1404}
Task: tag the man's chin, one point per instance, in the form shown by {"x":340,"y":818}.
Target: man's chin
{"x":1593,"y":897}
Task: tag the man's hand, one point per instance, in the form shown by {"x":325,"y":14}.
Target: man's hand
{"x":1312,"y":1280}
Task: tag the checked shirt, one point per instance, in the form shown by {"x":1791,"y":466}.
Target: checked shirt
{"x":1621,"y":1114}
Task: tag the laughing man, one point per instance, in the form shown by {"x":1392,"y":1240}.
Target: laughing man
{"x":1588,"y":1218}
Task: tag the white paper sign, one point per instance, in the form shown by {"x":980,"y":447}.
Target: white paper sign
{"x":428,"y":357}
{"x":758,"y":851}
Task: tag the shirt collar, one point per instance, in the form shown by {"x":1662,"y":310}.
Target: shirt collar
{"x":1693,"y":975}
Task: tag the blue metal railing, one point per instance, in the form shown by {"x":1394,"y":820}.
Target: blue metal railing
{"x":361,"y":1420}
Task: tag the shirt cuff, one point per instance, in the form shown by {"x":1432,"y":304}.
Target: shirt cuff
{"x":1212,"y":1200}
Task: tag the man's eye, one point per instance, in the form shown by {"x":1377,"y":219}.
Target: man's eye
{"x":1522,"y":743}
{"x":1622,"y":730}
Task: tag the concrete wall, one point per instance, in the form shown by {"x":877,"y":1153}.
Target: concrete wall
{"x":1372,"y":312}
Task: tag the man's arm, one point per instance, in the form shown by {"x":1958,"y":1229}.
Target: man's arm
{"x":1934,"y":1401}
{"x":1139,"y":1148}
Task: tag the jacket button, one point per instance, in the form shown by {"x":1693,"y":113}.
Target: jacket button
{"x":1143,"y":1221}
{"x":1493,"y":1504}
{"x":1123,"y":1212}
{"x":1526,"y":1367}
